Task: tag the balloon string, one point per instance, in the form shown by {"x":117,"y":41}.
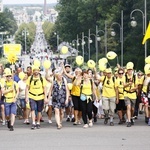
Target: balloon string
{"x":109,"y":64}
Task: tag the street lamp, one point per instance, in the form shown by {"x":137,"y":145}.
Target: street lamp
{"x":121,"y":34}
{"x":97,"y":39}
{"x":25,"y":33}
{"x":144,"y":15}
{"x":83,"y":43}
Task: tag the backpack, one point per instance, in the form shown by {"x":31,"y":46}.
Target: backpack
{"x":31,"y":79}
{"x":113,"y":78}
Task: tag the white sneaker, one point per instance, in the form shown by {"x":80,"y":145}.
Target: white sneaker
{"x":85,"y":126}
{"x":3,"y":123}
{"x":90,"y":124}
{"x":49,"y":121}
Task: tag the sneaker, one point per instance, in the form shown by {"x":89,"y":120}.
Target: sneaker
{"x":68,"y":119}
{"x":33,"y":127}
{"x":85,"y":126}
{"x":129,"y":124}
{"x":38,"y":126}
{"x":41,"y":120}
{"x":73,"y":119}
{"x":120,"y":122}
{"x":132,"y":121}
{"x":140,"y":112}
{"x":11,"y":128}
{"x":59,"y":126}
{"x":106,"y":120}
{"x":3,"y":123}
{"x":90,"y":124}
{"x":79,"y":122}
{"x":146,"y":120}
{"x":75,"y":123}
{"x":8,"y":124}
{"x":50,"y":121}
{"x":27,"y":122}
{"x":111,"y":124}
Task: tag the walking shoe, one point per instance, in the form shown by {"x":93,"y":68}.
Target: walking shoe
{"x":90,"y":124}
{"x":140,"y":112}
{"x":8,"y":124}
{"x":120,"y":122}
{"x":123,"y":119}
{"x":59,"y":126}
{"x":33,"y":127}
{"x":27,"y":122}
{"x":132,"y":121}
{"x":3,"y":123}
{"x":146,"y":120}
{"x":41,"y":120}
{"x":128,"y":124}
{"x":111,"y":124}
{"x":68,"y":119}
{"x":73,"y":119}
{"x":106,"y":121}
{"x":11,"y":128}
{"x":75,"y":123}
{"x":38,"y":126}
{"x":85,"y":126}
{"x":49,"y":121}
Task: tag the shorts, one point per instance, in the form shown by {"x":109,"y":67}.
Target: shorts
{"x":121,"y":105}
{"x":76,"y":102}
{"x":1,"y":102}
{"x":130,"y":102}
{"x":22,"y":103}
{"x":10,"y":108}
{"x":36,"y":104}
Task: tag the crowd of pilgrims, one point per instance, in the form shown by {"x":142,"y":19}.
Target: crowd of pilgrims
{"x":84,"y":95}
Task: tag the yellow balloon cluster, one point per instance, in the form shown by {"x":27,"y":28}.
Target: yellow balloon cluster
{"x":21,"y":75}
{"x":12,"y":58}
{"x":91,"y":64}
{"x":147,"y":60}
{"x":37,"y":63}
{"x":64,"y":50}
{"x":111,"y":55}
{"x":79,"y":60}
{"x":47,"y":64}
{"x":102,"y":63}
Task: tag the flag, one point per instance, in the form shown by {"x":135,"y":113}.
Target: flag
{"x":147,"y":34}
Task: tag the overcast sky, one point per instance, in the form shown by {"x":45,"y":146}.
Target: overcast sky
{"x":27,"y":1}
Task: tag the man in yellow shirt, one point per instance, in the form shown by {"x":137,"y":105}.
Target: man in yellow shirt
{"x":109,"y":94}
{"x":10,"y":91}
{"x":130,"y":95}
{"x":36,"y":94}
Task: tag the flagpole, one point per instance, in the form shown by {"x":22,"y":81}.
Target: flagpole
{"x":145,"y":9}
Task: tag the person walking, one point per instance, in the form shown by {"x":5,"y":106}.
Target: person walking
{"x":36,"y":95}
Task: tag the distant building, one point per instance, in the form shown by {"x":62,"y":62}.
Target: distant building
{"x":1,"y":6}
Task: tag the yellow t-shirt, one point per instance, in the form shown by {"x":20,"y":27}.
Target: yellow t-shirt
{"x":87,"y":88}
{"x":36,"y":88}
{"x":132,"y":95}
{"x":75,"y":90}
{"x":9,"y":97}
{"x":108,"y":87}
{"x":139,"y":81}
{"x":119,"y":83}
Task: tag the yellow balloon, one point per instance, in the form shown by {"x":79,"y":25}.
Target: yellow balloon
{"x":21,"y":75}
{"x":47,"y":64}
{"x":91,"y":64}
{"x":111,"y":55}
{"x":102,"y":66}
{"x":12,"y":58}
{"x":64,"y":50}
{"x":147,"y":60}
{"x":105,"y":60}
{"x":147,"y":68}
{"x":79,"y":60}
{"x":37,"y":62}
{"x":70,"y":86}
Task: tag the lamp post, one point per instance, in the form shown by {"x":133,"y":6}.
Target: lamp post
{"x":98,"y":39}
{"x":25,"y":33}
{"x":121,"y":34}
{"x":83,"y":43}
{"x":144,"y":15}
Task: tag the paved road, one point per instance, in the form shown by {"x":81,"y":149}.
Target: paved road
{"x":99,"y":137}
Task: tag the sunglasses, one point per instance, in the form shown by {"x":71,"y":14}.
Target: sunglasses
{"x":121,"y":73}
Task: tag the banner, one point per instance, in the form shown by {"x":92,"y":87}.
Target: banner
{"x":12,"y":48}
